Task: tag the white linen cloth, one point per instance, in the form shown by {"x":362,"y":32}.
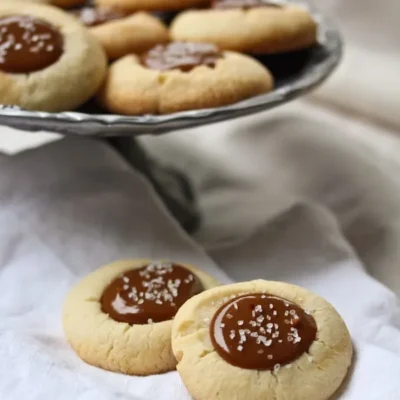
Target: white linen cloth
{"x":248,"y":171}
{"x":70,"y":206}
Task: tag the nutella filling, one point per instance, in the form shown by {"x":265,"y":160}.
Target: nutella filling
{"x":28,"y":44}
{"x":152,"y":293}
{"x":263,"y":332}
{"x":93,"y":16}
{"x":183,"y":56}
{"x":245,"y":4}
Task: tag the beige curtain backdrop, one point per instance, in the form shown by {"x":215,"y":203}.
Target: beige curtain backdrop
{"x":368,"y":81}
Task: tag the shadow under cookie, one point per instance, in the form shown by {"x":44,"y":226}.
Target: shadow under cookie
{"x":165,"y":16}
{"x":288,"y":65}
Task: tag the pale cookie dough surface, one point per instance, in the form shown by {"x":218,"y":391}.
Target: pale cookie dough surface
{"x":150,"y":5}
{"x":82,"y":66}
{"x":115,"y":346}
{"x":134,"y":34}
{"x":316,"y":375}
{"x":262,"y":30}
{"x":133,"y":89}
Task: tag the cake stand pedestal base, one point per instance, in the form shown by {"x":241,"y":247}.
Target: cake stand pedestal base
{"x":172,"y":186}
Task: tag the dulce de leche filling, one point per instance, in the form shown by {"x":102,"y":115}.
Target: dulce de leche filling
{"x":152,"y":293}
{"x":93,"y":16}
{"x":183,"y":56}
{"x":245,"y":4}
{"x":263,"y":332}
{"x":28,"y":44}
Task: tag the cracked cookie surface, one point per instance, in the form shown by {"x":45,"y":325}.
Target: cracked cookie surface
{"x":123,"y":324}
{"x":182,"y":76}
{"x":283,"y":360}
{"x":42,"y":48}
{"x":256,"y":30}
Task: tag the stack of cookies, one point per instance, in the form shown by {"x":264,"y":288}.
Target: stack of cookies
{"x":252,"y":340}
{"x":55,"y":55}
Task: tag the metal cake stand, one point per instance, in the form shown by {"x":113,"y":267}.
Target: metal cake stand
{"x":296,"y":74}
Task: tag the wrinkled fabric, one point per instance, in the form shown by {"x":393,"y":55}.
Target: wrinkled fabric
{"x":59,"y":223}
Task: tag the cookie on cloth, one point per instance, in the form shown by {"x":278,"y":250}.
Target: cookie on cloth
{"x":48,"y":60}
{"x":182,"y":76}
{"x":260,"y":340}
{"x":119,"y":318}
{"x":150,"y":5}
{"x":122,"y":34}
{"x":249,"y":26}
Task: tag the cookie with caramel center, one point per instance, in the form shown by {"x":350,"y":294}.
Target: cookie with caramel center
{"x":40,"y":48}
{"x":119,"y":318}
{"x":260,"y":340}
{"x":182,"y":76}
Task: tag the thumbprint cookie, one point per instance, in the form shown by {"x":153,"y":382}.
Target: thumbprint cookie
{"x":48,"y":60}
{"x":182,"y":76}
{"x":260,"y":340}
{"x":119,"y":318}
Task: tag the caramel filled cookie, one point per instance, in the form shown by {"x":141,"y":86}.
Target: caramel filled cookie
{"x":249,"y":26}
{"x":121,"y":34}
{"x":260,"y":340}
{"x":182,"y":76}
{"x":150,"y":5}
{"x":119,"y":318}
{"x":48,"y":61}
